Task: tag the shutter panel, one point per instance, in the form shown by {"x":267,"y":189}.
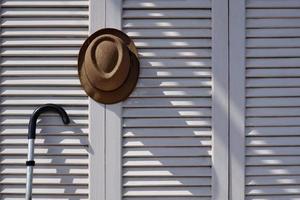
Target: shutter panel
{"x":39,"y":45}
{"x":272,"y":100}
{"x":272,"y":117}
{"x":166,"y":122}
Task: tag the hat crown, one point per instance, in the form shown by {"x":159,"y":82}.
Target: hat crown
{"x":107,"y":62}
{"x":107,"y":56}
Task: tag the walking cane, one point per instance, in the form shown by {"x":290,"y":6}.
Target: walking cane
{"x":31,"y":137}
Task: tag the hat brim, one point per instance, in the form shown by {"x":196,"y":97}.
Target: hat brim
{"x":121,"y":93}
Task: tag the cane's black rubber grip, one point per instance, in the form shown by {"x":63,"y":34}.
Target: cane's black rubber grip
{"x":42,"y":109}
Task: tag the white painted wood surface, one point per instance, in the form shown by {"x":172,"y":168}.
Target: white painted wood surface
{"x":237,"y":81}
{"x":39,"y":46}
{"x":167,"y":140}
{"x":220,"y":100}
{"x":166,"y":122}
{"x":114,"y":190}
{"x":97,"y":171}
{"x":272,"y":100}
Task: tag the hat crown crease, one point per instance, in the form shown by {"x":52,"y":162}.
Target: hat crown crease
{"x":108,"y":56}
{"x":109,"y":62}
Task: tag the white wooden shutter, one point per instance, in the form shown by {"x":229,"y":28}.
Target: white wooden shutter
{"x":159,"y":142}
{"x":272,"y":125}
{"x":39,"y":45}
{"x":167,"y":120}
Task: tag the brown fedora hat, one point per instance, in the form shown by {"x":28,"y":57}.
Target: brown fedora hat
{"x":108,"y":66}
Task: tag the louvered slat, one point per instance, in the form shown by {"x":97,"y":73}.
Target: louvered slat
{"x":167,"y":119}
{"x":39,"y":45}
{"x":272,"y":100}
